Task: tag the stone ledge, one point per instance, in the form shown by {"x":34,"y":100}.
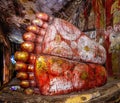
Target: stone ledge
{"x":109,"y":93}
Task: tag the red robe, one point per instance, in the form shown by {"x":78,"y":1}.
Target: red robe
{"x":109,"y":56}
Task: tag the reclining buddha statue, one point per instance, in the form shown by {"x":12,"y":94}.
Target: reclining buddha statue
{"x":57,"y":58}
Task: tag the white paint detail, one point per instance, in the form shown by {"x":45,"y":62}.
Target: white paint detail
{"x":60,"y":49}
{"x":66,"y":32}
{"x":60,"y":84}
{"x":51,"y":33}
{"x":85,"y":55}
{"x":73,"y":45}
{"x":90,"y":55}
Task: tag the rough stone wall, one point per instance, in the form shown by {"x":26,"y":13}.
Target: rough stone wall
{"x":51,"y":6}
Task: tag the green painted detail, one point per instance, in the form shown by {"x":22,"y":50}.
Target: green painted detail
{"x":84,"y":75}
{"x":41,"y":64}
